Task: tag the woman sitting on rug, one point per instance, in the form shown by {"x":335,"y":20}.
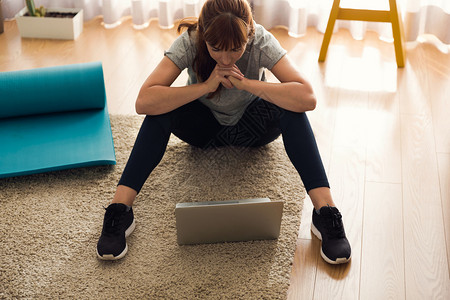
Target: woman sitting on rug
{"x":225,"y":102}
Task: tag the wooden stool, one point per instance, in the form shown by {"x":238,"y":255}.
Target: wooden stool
{"x":392,"y":16}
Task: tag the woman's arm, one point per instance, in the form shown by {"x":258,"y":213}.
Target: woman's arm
{"x":293,"y":92}
{"x":157,"y":97}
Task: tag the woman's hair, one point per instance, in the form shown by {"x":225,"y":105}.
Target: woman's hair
{"x":225,"y":25}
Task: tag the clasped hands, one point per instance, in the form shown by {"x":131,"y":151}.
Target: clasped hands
{"x":229,"y":77}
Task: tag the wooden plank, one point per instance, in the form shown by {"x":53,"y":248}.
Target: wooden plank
{"x":383,"y":162}
{"x":444,"y":184}
{"x":347,"y":176}
{"x":413,"y":84}
{"x":304,"y":270}
{"x":351,"y":120}
{"x":426,"y":265}
{"x":382,"y":248}
{"x":438,"y":70}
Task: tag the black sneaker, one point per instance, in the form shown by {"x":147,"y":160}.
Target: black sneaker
{"x":117,"y":225}
{"x":328,"y":227}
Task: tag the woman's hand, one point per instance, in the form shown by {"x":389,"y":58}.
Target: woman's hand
{"x":224,"y":76}
{"x":236,"y":77}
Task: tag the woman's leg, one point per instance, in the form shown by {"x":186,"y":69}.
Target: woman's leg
{"x":118,"y":222}
{"x":262,"y":123}
{"x":321,"y":197}
{"x":327,"y":222}
{"x":147,"y":152}
{"x":190,"y":122}
{"x":193,"y":123}
{"x":301,"y":147}
{"x":124,"y":195}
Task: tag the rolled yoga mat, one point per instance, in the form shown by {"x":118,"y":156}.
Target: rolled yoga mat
{"x":54,"y":118}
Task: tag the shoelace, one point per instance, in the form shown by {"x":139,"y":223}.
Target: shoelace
{"x":335,"y":228}
{"x":112,"y":220}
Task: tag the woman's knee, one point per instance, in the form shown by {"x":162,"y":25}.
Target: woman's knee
{"x":162,"y":122}
{"x":289,"y":118}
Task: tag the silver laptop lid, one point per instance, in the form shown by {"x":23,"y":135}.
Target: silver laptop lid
{"x":228,"y":221}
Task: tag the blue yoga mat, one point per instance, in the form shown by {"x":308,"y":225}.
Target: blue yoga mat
{"x":54,"y":118}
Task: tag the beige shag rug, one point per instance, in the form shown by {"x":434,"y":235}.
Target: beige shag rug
{"x":50,"y":224}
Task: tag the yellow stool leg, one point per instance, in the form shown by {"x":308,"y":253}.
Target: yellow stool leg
{"x":329,"y":31}
{"x":397,"y":32}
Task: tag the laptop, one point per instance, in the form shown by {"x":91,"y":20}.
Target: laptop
{"x":228,"y":221}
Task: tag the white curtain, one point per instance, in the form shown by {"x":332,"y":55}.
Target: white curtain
{"x":419,"y":16}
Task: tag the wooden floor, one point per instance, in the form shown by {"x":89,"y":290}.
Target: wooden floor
{"x":383,"y":132}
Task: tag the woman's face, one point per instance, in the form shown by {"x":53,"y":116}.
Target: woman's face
{"x":225,"y":58}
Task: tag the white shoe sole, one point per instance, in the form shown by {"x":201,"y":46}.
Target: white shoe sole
{"x":122,"y":254}
{"x":338,"y":261}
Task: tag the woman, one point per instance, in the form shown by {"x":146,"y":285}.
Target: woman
{"x":225,"y":53}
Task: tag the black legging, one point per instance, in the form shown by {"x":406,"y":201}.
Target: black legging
{"x":195,"y":124}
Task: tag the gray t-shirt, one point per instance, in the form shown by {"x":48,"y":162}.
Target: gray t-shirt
{"x":262,"y":51}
